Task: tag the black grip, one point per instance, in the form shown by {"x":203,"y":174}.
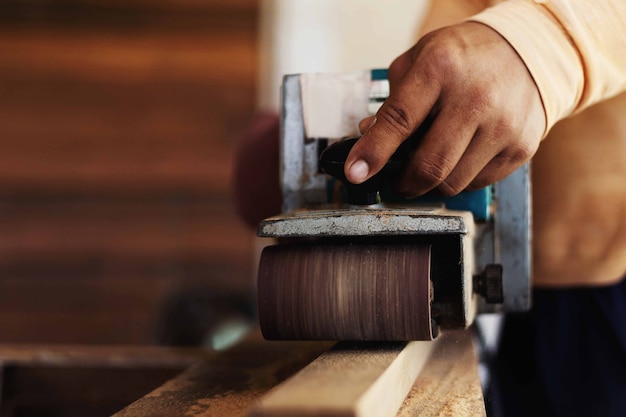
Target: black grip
{"x":332,"y":161}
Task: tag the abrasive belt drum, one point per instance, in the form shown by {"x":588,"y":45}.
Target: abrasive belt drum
{"x":345,"y":291}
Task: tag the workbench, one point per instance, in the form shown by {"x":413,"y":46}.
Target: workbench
{"x":160,"y":381}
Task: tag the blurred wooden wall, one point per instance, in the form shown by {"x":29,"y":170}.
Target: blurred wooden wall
{"x":118,"y":120}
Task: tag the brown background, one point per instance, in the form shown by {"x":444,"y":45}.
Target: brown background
{"x":118,"y":122}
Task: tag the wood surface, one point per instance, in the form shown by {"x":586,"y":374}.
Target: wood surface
{"x":248,"y":381}
{"x":376,"y":382}
{"x":256,"y":377}
{"x":449,"y":384}
{"x":118,"y":126}
{"x":350,"y":380}
{"x":228,"y":384}
{"x":78,"y":381}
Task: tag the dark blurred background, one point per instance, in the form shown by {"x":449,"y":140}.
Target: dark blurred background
{"x":118,"y":122}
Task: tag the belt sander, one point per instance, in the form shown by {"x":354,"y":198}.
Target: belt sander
{"x":354,"y":262}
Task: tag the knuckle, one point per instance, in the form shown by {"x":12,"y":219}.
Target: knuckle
{"x":440,"y":52}
{"x":450,"y":187}
{"x":397,"y":68}
{"x":396,"y":115}
{"x":483,"y":99}
{"x":434,"y":170}
{"x":445,"y":59}
{"x":504,"y":126}
{"x":443,"y":67}
{"x":518,"y":153}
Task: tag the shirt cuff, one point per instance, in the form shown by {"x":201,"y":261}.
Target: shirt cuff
{"x":546,"y":49}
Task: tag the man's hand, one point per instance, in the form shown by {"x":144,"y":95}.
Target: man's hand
{"x":464,"y":90}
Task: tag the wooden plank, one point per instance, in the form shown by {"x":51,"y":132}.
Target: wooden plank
{"x":114,"y":56}
{"x":155,"y":303}
{"x":343,"y":381}
{"x":352,"y":379}
{"x":84,"y":380}
{"x":122,"y":230}
{"x":187,"y":6}
{"x":103,"y":113}
{"x":375,"y":382}
{"x":449,"y":384}
{"x":118,"y":122}
{"x":257,"y":377}
{"x":160,"y":315}
{"x":156,"y":15}
{"x":106,"y":271}
{"x":113,"y":356}
{"x":226,"y":385}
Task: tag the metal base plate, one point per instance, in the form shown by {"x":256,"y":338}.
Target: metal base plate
{"x":377,"y":220}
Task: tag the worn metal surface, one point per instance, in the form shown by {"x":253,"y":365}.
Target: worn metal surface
{"x":371,"y":221}
{"x":514,"y":237}
{"x":345,"y":291}
{"x":301,"y":182}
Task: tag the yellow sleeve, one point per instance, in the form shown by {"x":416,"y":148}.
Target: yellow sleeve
{"x":574,"y":49}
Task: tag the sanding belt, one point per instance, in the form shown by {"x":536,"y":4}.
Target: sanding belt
{"x":345,"y":290}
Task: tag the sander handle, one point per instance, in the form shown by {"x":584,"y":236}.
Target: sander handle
{"x":332,"y":161}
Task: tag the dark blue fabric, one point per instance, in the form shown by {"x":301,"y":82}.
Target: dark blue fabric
{"x":566,"y":357}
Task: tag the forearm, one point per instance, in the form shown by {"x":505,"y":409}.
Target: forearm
{"x":575,"y":50}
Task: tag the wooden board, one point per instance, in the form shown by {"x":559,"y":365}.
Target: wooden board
{"x":118,"y":127}
{"x":228,"y":384}
{"x":449,"y":384}
{"x":351,"y":380}
{"x":77,"y":381}
{"x":248,"y":381}
{"x":254,"y":378}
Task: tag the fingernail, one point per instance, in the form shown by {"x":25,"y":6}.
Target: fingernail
{"x":359,"y":171}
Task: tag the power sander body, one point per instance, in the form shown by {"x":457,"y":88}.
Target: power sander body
{"x":357,"y":262}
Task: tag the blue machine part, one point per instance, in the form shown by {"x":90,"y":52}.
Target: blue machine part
{"x":478,"y":202}
{"x":379,"y":74}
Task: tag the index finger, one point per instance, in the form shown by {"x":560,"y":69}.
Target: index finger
{"x":407,"y":106}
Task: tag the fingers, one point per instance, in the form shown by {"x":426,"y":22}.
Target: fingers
{"x":441,"y":153}
{"x":501,"y":165}
{"x":399,"y":116}
{"x":486,"y":160}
